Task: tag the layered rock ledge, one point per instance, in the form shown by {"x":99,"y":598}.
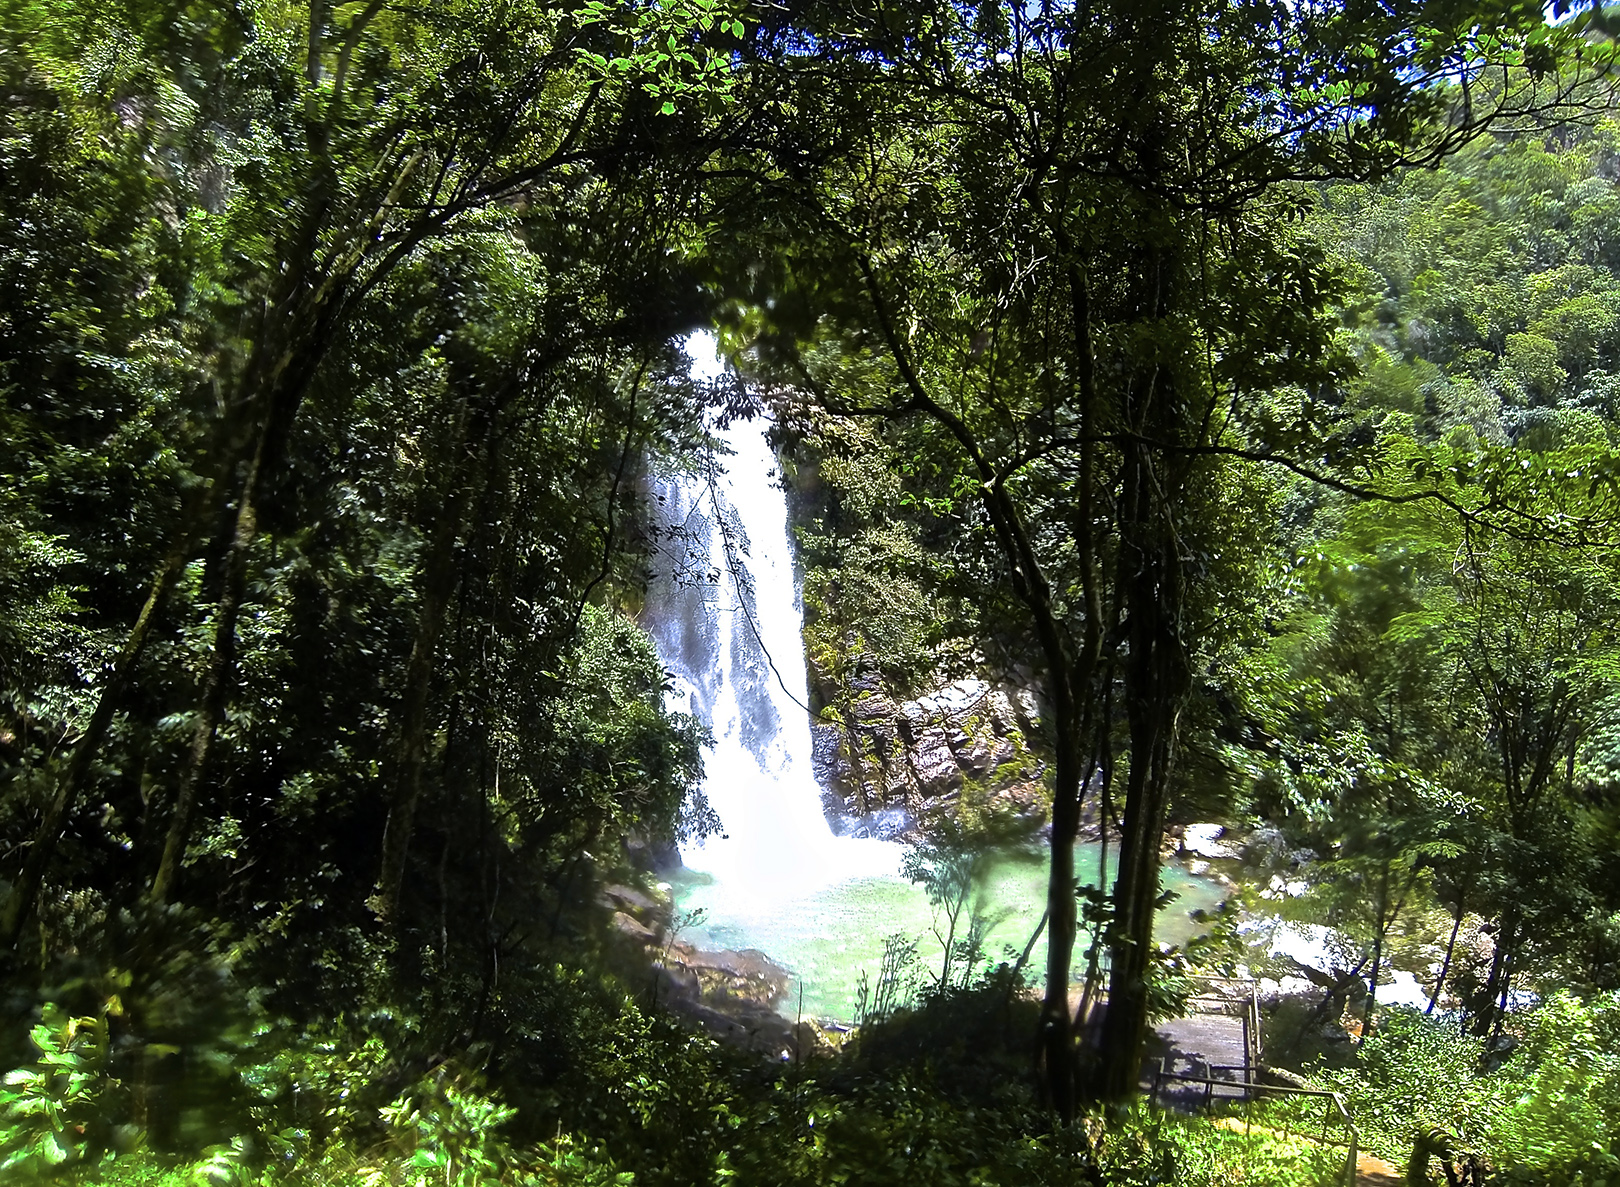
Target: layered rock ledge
{"x":886,"y":763}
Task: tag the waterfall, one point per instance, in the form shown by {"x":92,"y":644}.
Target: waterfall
{"x":726,"y":615}
{"x":778,"y":879}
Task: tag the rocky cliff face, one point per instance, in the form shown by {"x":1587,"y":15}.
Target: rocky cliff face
{"x":887,"y":764}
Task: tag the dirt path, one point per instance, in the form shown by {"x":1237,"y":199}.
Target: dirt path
{"x":1371,"y":1171}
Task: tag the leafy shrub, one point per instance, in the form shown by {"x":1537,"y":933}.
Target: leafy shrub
{"x":596,"y":1093}
{"x":1549,"y":1113}
{"x":1142,"y":1147}
{"x":49,"y":1113}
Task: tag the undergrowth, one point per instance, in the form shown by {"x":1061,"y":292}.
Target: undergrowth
{"x":1541,"y":1104}
{"x":625,"y":1098}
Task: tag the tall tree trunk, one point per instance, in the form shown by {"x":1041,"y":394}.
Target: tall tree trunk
{"x":1066,"y":679}
{"x":284,"y":367}
{"x":1093,"y":978}
{"x":438,"y":583}
{"x":1503,"y":993}
{"x":296,"y":328}
{"x":1371,"y":1001}
{"x":1156,"y":680}
{"x":1066,"y":687}
{"x":19,"y":903}
{"x":1494,"y":995}
{"x":1445,"y":964}
{"x":1057,"y":1028}
{"x":216,"y":677}
{"x":471,"y":435}
{"x":1154,"y":723}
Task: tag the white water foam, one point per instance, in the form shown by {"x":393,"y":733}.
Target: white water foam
{"x":735,"y":648}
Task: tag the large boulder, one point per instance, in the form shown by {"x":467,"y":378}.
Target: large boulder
{"x":1209,"y":840}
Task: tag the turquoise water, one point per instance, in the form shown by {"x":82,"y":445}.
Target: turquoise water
{"x":777,"y":879}
{"x":829,"y":937}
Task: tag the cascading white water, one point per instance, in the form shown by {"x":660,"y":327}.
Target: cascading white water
{"x":736,"y":651}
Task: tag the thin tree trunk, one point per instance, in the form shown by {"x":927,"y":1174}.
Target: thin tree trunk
{"x":216,"y":678}
{"x":1057,"y":1021}
{"x":1064,"y":680}
{"x":1103,"y":765}
{"x":1502,"y":997}
{"x":1023,"y":957}
{"x":19,"y":903}
{"x":1377,"y":957}
{"x":1445,"y":964}
{"x":1088,"y":988}
{"x":952,"y":913}
{"x":1136,"y":899}
{"x":1057,"y":1031}
{"x":284,"y":366}
{"x":474,"y":435}
{"x":438,"y":583}
{"x":1495,"y":983}
{"x":297,"y":329}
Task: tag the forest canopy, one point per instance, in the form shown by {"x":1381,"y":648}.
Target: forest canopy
{"x":1243,"y":373}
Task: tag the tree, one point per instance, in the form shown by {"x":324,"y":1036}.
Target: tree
{"x":1058,"y":248}
{"x":308,"y":156}
{"x":951,"y":864}
{"x":430,"y":683}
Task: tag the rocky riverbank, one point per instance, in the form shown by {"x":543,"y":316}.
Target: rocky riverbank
{"x":1312,"y":960}
{"x":733,"y":996}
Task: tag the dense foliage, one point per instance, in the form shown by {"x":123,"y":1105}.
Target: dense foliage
{"x":1547,"y":1112}
{"x":330,"y":365}
{"x":1116,"y":351}
{"x":1437,"y":696}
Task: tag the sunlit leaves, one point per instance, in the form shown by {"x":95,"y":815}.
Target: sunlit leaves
{"x":46,"y":1107}
{"x":676,"y":50}
{"x":1548,"y":1107}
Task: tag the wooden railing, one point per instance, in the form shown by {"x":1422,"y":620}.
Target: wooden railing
{"x":1334,"y":1108}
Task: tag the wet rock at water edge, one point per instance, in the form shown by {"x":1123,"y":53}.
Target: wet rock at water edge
{"x":1268,"y":846}
{"x":887,"y":824}
{"x":632,"y":928}
{"x":730,"y":995}
{"x":1209,"y":841}
{"x":649,"y":913}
